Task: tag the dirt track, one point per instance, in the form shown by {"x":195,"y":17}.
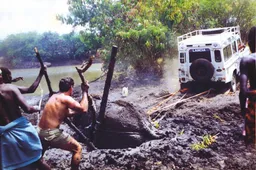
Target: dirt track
{"x":184,"y":124}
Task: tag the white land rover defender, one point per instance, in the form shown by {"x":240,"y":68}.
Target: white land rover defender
{"x":211,"y":55}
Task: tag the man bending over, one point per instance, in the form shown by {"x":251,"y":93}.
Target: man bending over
{"x":56,"y":110}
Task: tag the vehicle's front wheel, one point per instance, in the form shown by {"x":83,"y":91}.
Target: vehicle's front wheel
{"x":233,"y":83}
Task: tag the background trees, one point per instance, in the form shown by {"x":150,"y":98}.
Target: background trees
{"x":223,"y":13}
{"x":145,"y":31}
{"x":18,"y":48}
{"x":53,"y":48}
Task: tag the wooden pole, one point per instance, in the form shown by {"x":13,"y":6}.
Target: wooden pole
{"x":92,"y":106}
{"x":103,"y":103}
{"x":45,"y":73}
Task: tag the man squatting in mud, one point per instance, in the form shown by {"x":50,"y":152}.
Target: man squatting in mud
{"x":247,"y":96}
{"x":56,"y":110}
{"x":20,"y":145}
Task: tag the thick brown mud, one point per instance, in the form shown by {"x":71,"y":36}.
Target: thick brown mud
{"x":184,"y":124}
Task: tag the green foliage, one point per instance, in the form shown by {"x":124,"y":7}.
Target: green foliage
{"x":18,"y":48}
{"x":216,"y":116}
{"x":223,"y":13}
{"x":156,"y":124}
{"x":181,"y":132}
{"x":76,"y":48}
{"x":243,"y":14}
{"x":141,"y":30}
{"x":143,"y":45}
{"x":207,"y":141}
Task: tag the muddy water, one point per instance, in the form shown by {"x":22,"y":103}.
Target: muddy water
{"x":55,"y":74}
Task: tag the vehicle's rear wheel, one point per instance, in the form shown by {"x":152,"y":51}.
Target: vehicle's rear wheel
{"x":233,"y":83}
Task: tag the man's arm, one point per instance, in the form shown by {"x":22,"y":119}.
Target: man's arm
{"x":34,"y":86}
{"x":242,"y":94}
{"x":22,"y":102}
{"x":77,"y":107}
{"x":83,"y":105}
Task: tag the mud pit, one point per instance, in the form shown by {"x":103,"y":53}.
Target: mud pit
{"x":183,"y":125}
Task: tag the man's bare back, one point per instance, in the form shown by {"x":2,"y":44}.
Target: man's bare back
{"x":57,"y":109}
{"x":10,"y":96}
{"x":248,"y":70}
{"x":58,"y":106}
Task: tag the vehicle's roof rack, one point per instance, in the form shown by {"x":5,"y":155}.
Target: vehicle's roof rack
{"x":234,"y":30}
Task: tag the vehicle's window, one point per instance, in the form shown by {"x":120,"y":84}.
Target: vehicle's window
{"x":227,"y":52}
{"x":234,"y":48}
{"x":217,"y":56}
{"x":195,"y":54}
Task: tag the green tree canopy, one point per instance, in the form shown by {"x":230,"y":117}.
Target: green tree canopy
{"x":224,"y":13}
{"x":18,"y":48}
{"x":142,"y":30}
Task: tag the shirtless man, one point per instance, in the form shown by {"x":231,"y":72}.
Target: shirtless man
{"x":20,"y":143}
{"x":247,"y":96}
{"x":56,"y":110}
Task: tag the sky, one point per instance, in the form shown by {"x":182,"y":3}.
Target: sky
{"x":18,"y":16}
